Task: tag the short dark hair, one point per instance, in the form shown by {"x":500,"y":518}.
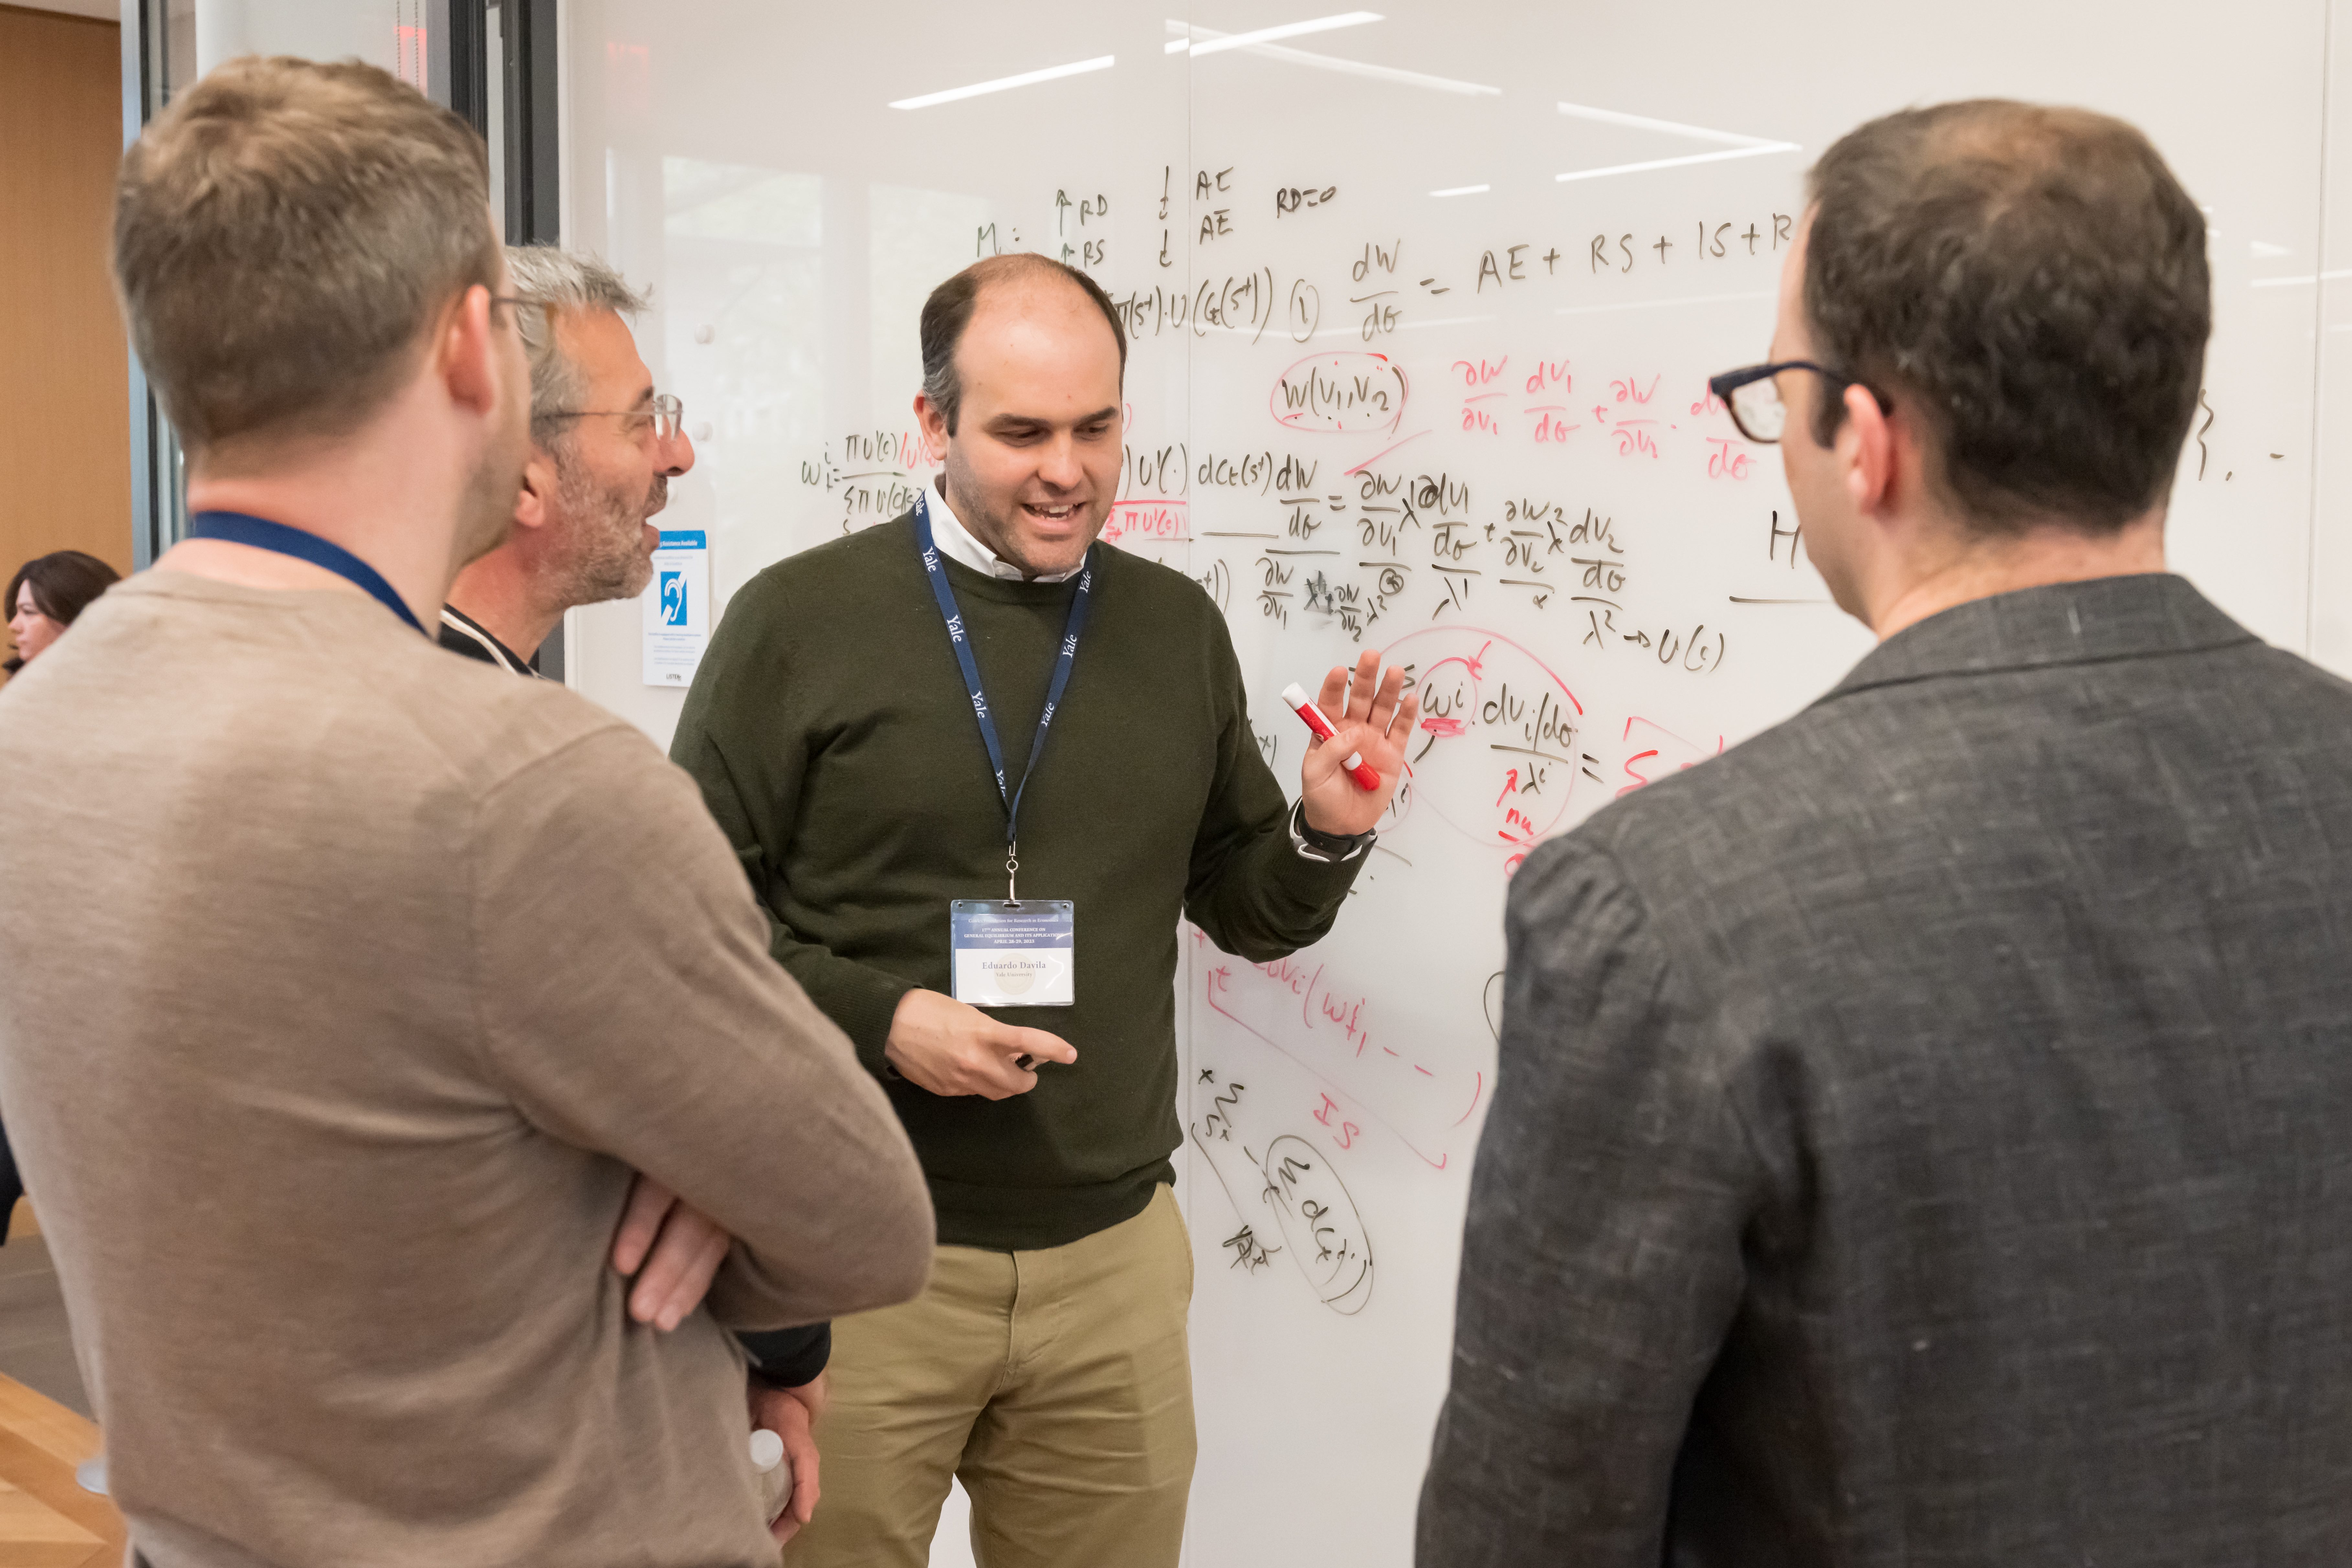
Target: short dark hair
{"x":284,"y":235}
{"x":2033,"y":281}
{"x":948,"y":310}
{"x":63,"y":583}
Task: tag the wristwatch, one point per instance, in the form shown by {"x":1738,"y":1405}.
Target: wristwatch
{"x":1331,"y":849}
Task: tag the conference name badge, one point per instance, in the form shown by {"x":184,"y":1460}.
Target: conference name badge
{"x":1014,"y":955}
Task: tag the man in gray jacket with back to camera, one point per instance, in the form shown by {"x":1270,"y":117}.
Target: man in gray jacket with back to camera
{"x":350,"y":985}
{"x":1921,"y":1132}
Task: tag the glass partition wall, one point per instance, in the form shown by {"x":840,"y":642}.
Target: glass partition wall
{"x":493,"y":61}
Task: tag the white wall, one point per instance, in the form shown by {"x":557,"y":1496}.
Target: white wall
{"x":313,"y":29}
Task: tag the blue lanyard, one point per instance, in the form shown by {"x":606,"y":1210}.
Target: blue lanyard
{"x":949,"y":612}
{"x":276,"y":537}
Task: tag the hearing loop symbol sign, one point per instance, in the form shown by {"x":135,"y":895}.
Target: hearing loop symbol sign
{"x":677,"y":607}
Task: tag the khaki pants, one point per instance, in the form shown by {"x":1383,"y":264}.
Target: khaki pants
{"x":1055,"y":1385}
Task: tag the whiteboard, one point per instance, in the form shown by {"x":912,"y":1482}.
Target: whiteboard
{"x":1397,"y":382}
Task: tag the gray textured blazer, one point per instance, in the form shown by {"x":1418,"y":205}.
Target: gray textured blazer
{"x":1923,"y":1135}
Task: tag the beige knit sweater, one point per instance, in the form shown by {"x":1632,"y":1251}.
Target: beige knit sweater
{"x":344,"y":985}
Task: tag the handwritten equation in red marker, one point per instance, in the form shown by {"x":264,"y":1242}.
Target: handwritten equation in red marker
{"x":1422,"y":1091}
{"x":1336,"y":393}
{"x":1148,"y":522}
{"x":1656,"y":751}
{"x":1503,"y":744}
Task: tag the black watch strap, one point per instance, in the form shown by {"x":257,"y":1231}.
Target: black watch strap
{"x":1318,"y":844}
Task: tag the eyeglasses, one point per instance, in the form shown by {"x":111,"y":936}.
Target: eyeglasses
{"x":665,"y":412}
{"x":518,"y":305}
{"x":1754,"y":398}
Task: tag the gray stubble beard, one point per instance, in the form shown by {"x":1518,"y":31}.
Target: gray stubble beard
{"x":605,"y":559}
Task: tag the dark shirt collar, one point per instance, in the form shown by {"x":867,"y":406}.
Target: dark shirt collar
{"x":2147,"y":614}
{"x":460,"y":633}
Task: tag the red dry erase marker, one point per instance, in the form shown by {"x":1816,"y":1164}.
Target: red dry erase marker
{"x":1366,"y":777}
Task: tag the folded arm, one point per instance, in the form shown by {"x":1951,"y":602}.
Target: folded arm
{"x":630,"y":1004}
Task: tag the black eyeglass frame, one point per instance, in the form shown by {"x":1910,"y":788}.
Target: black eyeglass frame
{"x":1731,"y":381}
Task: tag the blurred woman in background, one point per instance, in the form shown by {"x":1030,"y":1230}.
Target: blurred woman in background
{"x":46,"y":596}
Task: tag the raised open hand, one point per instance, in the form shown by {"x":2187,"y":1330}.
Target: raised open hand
{"x":1374,"y":718}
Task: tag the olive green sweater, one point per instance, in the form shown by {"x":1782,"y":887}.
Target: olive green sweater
{"x":832,"y":735}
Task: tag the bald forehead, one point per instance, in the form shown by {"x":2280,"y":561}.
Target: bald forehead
{"x":1034,"y":295}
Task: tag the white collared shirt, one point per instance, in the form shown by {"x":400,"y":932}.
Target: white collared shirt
{"x":957,"y":544}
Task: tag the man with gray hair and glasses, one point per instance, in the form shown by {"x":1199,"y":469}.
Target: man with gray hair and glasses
{"x":605,"y":446}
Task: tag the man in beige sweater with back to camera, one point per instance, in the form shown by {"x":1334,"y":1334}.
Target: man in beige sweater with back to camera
{"x":351,"y":989}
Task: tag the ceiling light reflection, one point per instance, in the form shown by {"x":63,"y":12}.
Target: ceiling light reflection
{"x":1678,"y":163}
{"x":1025,"y":79}
{"x":1287,"y":31}
{"x":1190,"y":36}
{"x":1738,"y":146}
{"x":1672,"y":128}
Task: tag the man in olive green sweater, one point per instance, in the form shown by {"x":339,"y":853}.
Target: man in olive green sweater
{"x":836,"y":728}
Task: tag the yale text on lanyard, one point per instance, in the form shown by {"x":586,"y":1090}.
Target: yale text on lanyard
{"x":949,"y":612}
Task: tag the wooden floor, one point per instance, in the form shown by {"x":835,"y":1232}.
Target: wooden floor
{"x":36,"y":1340}
{"x":46,"y":1520}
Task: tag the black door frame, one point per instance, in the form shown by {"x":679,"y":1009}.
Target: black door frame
{"x":457,"y":75}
